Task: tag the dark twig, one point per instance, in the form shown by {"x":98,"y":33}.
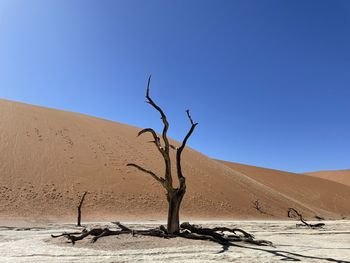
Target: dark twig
{"x":79,"y":209}
{"x":292,"y":213}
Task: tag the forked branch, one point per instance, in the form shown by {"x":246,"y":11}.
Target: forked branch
{"x":181,"y":148}
{"x":163,"y":117}
{"x":155,"y":137}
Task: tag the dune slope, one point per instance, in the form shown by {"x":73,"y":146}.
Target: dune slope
{"x":340,"y":176}
{"x":49,"y":157}
{"x":303,"y":189}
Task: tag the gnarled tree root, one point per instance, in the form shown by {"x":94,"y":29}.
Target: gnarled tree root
{"x":221,"y":235}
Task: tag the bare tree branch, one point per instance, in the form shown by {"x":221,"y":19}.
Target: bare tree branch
{"x":173,"y":147}
{"x":168,"y":177}
{"x":180,"y":149}
{"x":159,"y":179}
{"x":154,"y":134}
{"x":189,"y":116}
{"x":292,"y":213}
{"x":156,"y":140}
{"x":164,"y":119}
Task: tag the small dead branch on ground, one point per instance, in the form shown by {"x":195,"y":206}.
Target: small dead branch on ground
{"x":293,"y":213}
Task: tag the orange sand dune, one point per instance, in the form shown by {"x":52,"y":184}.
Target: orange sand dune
{"x":303,"y":189}
{"x":340,"y":176}
{"x":48,"y":157}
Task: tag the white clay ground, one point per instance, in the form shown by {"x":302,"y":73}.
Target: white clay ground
{"x":331,"y":244}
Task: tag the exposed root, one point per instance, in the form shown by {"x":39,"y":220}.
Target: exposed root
{"x":221,"y":235}
{"x":318,"y":225}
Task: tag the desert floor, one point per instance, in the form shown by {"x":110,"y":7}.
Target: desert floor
{"x":27,"y":243}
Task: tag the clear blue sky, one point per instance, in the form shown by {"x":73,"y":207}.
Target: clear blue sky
{"x":268,"y":81}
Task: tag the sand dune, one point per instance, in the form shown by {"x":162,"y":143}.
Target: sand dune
{"x":48,"y":157}
{"x":340,"y":176}
{"x":303,"y":189}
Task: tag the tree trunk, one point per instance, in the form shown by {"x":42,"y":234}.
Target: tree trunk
{"x":174,"y":200}
{"x":79,"y":216}
{"x":79,"y":209}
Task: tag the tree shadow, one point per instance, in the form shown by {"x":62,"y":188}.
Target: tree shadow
{"x":312,"y":247}
{"x":290,"y":256}
{"x":224,"y":249}
{"x":284,"y":255}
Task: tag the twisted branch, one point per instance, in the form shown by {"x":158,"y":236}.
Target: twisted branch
{"x":296,"y":213}
{"x":155,"y":137}
{"x":165,"y":151}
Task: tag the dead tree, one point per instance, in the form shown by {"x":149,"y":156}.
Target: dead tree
{"x":174,"y":194}
{"x":257,"y":206}
{"x":292,"y":213}
{"x":79,"y":208}
{"x":221,"y":235}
